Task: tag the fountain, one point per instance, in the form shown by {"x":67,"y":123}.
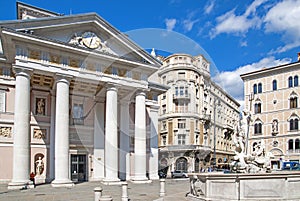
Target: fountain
{"x":250,"y":176}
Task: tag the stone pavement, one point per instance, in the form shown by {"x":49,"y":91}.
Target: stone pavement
{"x":176,"y":190}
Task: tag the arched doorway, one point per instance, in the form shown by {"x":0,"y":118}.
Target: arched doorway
{"x":181,"y":164}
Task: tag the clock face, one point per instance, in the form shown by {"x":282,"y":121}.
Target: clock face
{"x":91,"y":40}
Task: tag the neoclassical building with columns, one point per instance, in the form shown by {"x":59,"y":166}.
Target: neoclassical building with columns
{"x":76,"y":103}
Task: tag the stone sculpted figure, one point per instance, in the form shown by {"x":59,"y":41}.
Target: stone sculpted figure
{"x":39,"y":166}
{"x":41,"y":106}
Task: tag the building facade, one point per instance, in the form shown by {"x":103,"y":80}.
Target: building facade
{"x":272,"y":96}
{"x":196,"y":118}
{"x":71,"y":88}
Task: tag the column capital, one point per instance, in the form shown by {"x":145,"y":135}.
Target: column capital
{"x":112,"y":87}
{"x":140,"y":92}
{"x":21,"y":71}
{"x":62,"y":78}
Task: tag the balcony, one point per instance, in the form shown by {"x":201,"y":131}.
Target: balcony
{"x":293,"y":151}
{"x":182,"y":96}
{"x":206,"y":117}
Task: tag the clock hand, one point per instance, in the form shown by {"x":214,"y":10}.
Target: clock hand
{"x":92,"y":38}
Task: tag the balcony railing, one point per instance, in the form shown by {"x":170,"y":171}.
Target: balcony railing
{"x":292,"y":151}
{"x":182,"y":96}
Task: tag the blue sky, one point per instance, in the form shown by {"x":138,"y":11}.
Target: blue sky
{"x":238,"y":36}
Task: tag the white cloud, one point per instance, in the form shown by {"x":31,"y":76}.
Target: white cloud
{"x":231,"y":82}
{"x":170,"y":24}
{"x":244,"y":43}
{"x":209,"y":7}
{"x":188,"y":24}
{"x":238,"y":24}
{"x":284,"y":18}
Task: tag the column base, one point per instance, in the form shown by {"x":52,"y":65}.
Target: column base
{"x":62,"y":183}
{"x":18,"y":185}
{"x":111,"y":181}
{"x":140,"y":180}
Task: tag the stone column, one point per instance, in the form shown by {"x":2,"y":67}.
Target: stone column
{"x":153,"y":163}
{"x":21,"y":149}
{"x":52,"y":137}
{"x":62,"y":178}
{"x":111,"y":135}
{"x":124,"y":140}
{"x":140,"y":139}
{"x":99,"y":139}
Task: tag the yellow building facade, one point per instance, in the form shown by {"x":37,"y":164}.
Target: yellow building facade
{"x":272,"y":96}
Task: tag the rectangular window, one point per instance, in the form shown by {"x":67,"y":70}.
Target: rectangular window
{"x":181,"y":139}
{"x":78,"y":113}
{"x":164,"y":109}
{"x":181,"y":92}
{"x":164,"y":140}
{"x":181,"y":123}
{"x":2,"y":100}
{"x":164,"y":125}
{"x":176,"y":91}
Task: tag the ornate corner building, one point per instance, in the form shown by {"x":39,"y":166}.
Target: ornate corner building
{"x":71,"y":89}
{"x":272,"y":97}
{"x":197,"y":117}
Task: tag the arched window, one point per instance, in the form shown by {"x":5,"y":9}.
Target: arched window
{"x":293,"y":102}
{"x":259,"y":88}
{"x":294,"y":124}
{"x":257,"y":108}
{"x":181,"y":164}
{"x":257,"y":128}
{"x":291,"y":144}
{"x":290,"y":81}
{"x":255,"y":89}
{"x":274,"y":85}
{"x":297,"y":144}
{"x":296,"y":81}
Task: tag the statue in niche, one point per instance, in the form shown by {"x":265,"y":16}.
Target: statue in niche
{"x":275,"y":126}
{"x":40,"y":106}
{"x":39,"y":166}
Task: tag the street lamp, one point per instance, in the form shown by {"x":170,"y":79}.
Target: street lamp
{"x":216,"y":103}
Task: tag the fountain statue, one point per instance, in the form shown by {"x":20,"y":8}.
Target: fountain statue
{"x":258,"y":161}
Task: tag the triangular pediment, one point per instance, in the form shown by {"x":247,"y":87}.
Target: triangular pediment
{"x":88,"y":31}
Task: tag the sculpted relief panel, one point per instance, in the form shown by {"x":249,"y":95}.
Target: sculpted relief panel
{"x":5,"y":132}
{"x":39,"y":134}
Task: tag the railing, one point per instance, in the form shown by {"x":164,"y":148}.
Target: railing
{"x":293,"y":151}
{"x":182,"y":96}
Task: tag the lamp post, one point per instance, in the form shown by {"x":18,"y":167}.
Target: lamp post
{"x":216,"y":103}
